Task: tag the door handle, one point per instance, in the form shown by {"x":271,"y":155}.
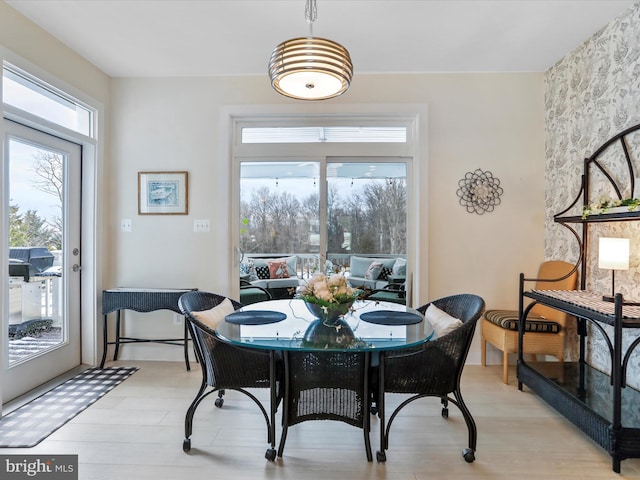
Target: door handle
{"x":76,"y":267}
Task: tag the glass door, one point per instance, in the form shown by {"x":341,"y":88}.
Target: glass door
{"x":322,"y":211}
{"x":366,"y":208}
{"x":41,"y":321}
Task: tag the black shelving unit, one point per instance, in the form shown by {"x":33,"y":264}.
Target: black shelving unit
{"x":603,"y":406}
{"x":590,"y":399}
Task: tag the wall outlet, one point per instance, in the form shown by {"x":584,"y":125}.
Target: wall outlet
{"x":201,"y":225}
{"x":177,"y":319}
{"x":125,"y":225}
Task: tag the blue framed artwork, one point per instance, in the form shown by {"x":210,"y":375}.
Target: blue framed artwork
{"x":163,"y":193}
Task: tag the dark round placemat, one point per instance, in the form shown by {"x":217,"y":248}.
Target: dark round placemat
{"x":255,"y":317}
{"x":391,"y":317}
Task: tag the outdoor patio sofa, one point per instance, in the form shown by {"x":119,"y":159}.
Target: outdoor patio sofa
{"x":374,"y":273}
{"x":277,"y":275}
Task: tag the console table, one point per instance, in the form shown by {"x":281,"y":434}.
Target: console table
{"x":141,"y":300}
{"x":602,"y":406}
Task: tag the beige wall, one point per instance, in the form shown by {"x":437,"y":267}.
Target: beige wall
{"x":35,"y":45}
{"x":489,"y":121}
{"x":592,"y":95}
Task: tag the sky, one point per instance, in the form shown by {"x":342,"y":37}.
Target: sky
{"x":22,"y":191}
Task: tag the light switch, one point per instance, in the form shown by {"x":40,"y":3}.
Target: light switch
{"x":125,"y":225}
{"x":201,"y":225}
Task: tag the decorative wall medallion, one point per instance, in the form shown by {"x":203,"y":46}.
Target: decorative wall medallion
{"x":479,"y":192}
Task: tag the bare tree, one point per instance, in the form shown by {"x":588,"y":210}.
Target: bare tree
{"x":48,"y":166}
{"x":374,"y":216}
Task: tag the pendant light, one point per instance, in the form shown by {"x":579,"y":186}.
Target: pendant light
{"x":310,"y":68}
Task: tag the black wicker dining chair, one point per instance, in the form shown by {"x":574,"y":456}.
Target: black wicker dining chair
{"x":227,"y":367}
{"x":433,"y":369}
{"x":326,"y":385}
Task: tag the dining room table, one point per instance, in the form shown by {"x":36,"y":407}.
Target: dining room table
{"x":282,"y":324}
{"x":319,"y":358}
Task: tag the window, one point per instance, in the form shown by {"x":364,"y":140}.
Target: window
{"x":364,"y":206}
{"x":324,"y":134}
{"x":22,"y":91}
{"x":323,"y":188}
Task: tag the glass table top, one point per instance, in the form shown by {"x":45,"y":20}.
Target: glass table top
{"x":293,"y":331}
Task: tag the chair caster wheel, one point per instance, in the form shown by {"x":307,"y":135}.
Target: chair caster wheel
{"x":219,"y":402}
{"x":469,"y":455}
{"x":381,"y":457}
{"x":445,"y":413}
{"x":186,"y":445}
{"x":270,"y":454}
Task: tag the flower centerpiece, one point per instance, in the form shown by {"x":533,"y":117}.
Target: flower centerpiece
{"x":328,"y":296}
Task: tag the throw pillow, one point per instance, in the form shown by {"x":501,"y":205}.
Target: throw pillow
{"x":292,"y":264}
{"x":400,"y":267}
{"x":386,"y":271}
{"x":246,"y":267}
{"x":278,"y":269}
{"x":442,"y":322}
{"x":262,"y":269}
{"x":212,"y":317}
{"x":373,"y":272}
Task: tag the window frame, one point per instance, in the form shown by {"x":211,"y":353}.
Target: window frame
{"x":412,"y":117}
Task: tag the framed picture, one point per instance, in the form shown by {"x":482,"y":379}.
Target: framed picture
{"x":163,"y":193}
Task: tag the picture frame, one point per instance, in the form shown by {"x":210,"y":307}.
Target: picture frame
{"x":163,"y":193}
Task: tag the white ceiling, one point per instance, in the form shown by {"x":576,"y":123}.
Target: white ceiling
{"x":149,"y":38}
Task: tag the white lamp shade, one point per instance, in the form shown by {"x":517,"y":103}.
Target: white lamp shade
{"x":613,"y":253}
{"x":310,"y":68}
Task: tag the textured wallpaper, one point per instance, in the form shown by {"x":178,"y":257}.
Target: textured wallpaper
{"x":591,"y":95}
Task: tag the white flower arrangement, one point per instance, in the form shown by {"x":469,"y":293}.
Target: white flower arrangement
{"x":328,"y":291}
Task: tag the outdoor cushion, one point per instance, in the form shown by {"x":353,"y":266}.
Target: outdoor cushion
{"x":278,"y":269}
{"x":373,"y":271}
{"x":262,"y":266}
{"x":399,"y":267}
{"x":509,"y":319}
{"x":358,"y":266}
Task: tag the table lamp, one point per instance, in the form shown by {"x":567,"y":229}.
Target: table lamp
{"x":613,"y":254}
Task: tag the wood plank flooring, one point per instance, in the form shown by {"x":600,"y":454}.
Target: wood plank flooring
{"x":136,"y":432}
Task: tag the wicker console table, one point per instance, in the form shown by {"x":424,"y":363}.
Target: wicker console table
{"x":602,"y":406}
{"x":141,"y":300}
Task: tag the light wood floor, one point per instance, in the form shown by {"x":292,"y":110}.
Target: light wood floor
{"x":135,"y":432}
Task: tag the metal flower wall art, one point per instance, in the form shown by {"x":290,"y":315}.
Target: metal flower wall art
{"x":479,"y":192}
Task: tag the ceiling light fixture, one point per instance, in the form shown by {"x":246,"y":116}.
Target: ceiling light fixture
{"x":310,"y":68}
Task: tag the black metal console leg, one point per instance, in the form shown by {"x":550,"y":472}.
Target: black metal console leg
{"x":104,"y":342}
{"x":115,"y":353}
{"x":186,"y":345}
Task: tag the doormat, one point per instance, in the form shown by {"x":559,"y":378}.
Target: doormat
{"x":33,"y":422}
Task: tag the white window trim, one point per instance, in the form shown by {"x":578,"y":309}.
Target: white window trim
{"x":93,"y":154}
{"x":414,"y":116}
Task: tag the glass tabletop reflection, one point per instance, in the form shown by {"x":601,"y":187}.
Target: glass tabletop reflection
{"x":290,"y":323}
